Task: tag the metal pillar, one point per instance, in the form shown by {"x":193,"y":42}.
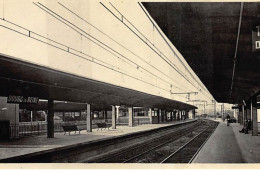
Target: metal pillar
{"x":247,"y":111}
{"x":254,"y":118}
{"x":175,"y":115}
{"x":89,"y":119}
{"x":240,"y":116}
{"x":162,"y":115}
{"x":117,"y":112}
{"x":215,"y":112}
{"x":158,"y":115}
{"x":243,"y":114}
{"x":50,"y":119}
{"x":150,"y":115}
{"x":131,"y":117}
{"x":113,"y":117}
{"x":105,"y":114}
{"x":80,"y":115}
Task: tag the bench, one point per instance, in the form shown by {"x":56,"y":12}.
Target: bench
{"x":102,"y":125}
{"x":70,"y":128}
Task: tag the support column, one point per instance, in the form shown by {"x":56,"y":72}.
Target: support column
{"x":50,"y":119}
{"x":131,"y":117}
{"x":240,"y":114}
{"x":113,"y":117}
{"x":193,"y":114}
{"x":243,"y":114}
{"x":117,"y":112}
{"x":247,"y":113}
{"x":150,"y":115}
{"x":158,"y":115}
{"x":254,"y":118}
{"x":89,"y":119}
{"x":105,"y":114}
{"x":162,"y":115}
{"x":80,"y":115}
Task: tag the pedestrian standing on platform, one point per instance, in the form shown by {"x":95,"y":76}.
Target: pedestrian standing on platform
{"x":228,"y":119}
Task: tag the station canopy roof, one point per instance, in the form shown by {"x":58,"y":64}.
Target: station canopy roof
{"x":25,"y":79}
{"x":206,"y":33}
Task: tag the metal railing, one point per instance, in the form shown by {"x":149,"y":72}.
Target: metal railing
{"x":38,"y":128}
{"x":26,"y":129}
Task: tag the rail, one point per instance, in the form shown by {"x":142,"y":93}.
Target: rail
{"x":130,"y":152}
{"x":189,"y":150}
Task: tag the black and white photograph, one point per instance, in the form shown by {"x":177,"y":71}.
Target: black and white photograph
{"x":125,"y":83}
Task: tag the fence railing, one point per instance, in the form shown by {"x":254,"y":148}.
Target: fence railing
{"x":26,"y":129}
{"x":137,"y":120}
{"x":38,"y":128}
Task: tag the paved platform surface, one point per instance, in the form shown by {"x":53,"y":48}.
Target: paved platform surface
{"x":33,"y":144}
{"x":227,"y":145}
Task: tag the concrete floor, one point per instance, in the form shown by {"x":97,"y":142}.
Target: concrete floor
{"x":227,"y":145}
{"x":40,"y":143}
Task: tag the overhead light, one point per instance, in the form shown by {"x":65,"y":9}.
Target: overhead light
{"x":3,"y":109}
{"x":244,"y":102}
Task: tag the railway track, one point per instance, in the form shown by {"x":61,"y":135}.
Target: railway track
{"x":130,"y":153}
{"x":188,"y":151}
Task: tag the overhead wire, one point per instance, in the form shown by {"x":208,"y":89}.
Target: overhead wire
{"x":42,"y":6}
{"x":4,"y":9}
{"x":152,"y":48}
{"x":116,"y":42}
{"x":92,"y":59}
{"x":203,"y":87}
{"x":235,"y":55}
{"x":147,"y":44}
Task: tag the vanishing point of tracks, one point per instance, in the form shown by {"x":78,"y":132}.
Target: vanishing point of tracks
{"x":177,"y":146}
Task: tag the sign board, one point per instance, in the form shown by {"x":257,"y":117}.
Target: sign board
{"x":256,"y":38}
{"x":22,"y":99}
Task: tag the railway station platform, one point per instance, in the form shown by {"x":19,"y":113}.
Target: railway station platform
{"x":228,"y":145}
{"x":39,"y":144}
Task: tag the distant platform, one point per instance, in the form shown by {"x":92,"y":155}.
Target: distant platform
{"x":227,"y":145}
{"x":41,"y":144}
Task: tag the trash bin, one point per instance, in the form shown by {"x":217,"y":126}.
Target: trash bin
{"x":4,"y":130}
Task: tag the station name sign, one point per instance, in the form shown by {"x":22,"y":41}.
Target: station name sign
{"x":256,"y":38}
{"x":22,"y":99}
